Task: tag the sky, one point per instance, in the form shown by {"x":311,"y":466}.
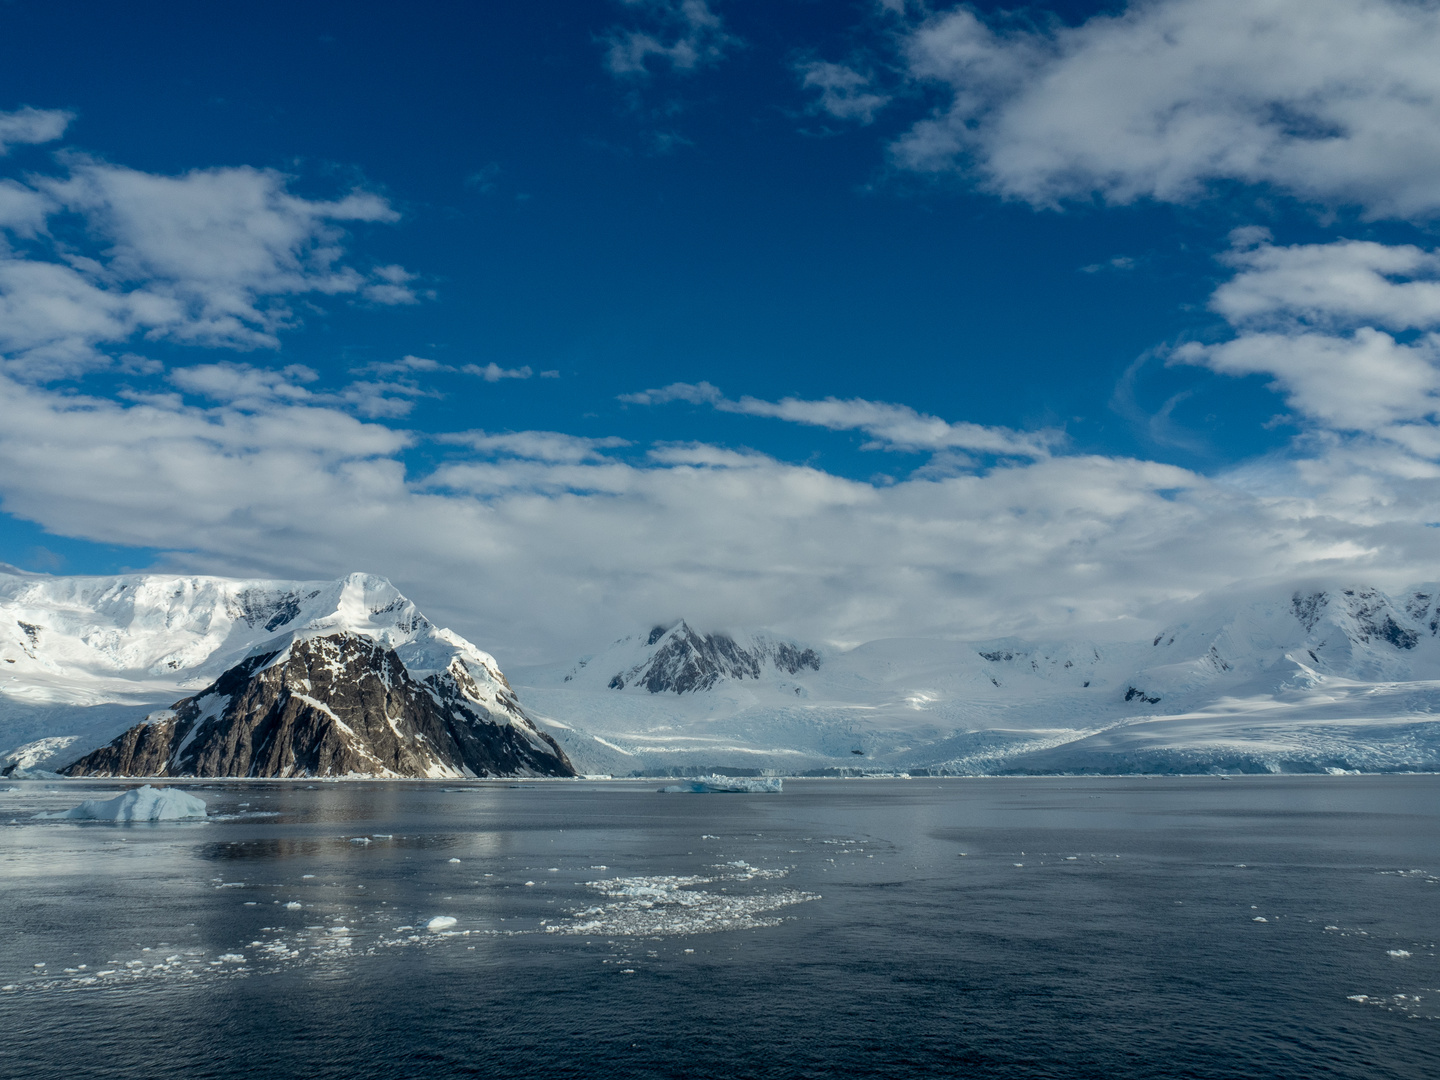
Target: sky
{"x":851,"y":320}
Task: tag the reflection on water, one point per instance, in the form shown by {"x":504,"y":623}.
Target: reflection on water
{"x":1117,"y":927}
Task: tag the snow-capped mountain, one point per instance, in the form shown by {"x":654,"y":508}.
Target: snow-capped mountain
{"x":276,"y":678}
{"x":294,"y":678}
{"x":675,"y":659}
{"x":1320,"y":678}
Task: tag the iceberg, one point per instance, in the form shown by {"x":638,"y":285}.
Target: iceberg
{"x":140,"y":804}
{"x":752,"y":785}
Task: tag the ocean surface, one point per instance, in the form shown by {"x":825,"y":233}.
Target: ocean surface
{"x":1099,"y":927}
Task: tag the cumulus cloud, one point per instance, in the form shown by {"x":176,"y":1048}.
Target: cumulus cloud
{"x":1343,"y":283}
{"x":685,"y":34}
{"x":843,"y":92}
{"x":208,"y":258}
{"x":891,"y":426}
{"x":1334,"y":101}
{"x":1322,"y":321}
{"x":493,"y":372}
{"x":30,"y":126}
{"x":540,"y":544}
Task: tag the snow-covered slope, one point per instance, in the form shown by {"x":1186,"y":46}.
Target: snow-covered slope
{"x":1341,"y":677}
{"x":85,"y":658}
{"x":1336,"y":678}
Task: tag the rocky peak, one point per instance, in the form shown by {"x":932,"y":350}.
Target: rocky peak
{"x":333,"y":705}
{"x":680,"y":660}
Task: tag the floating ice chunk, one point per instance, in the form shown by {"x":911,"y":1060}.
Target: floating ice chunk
{"x":529,"y":883}
{"x":231,"y":958}
{"x":1399,"y":954}
{"x":441,"y":922}
{"x":140,"y":804}
{"x":293,"y":905}
{"x":769,"y":785}
{"x":1259,"y":918}
{"x":360,"y":839}
{"x":454,"y":860}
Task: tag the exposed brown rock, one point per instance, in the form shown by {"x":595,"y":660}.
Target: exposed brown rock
{"x":332,"y":706}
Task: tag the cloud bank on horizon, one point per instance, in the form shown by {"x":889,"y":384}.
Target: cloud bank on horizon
{"x":145,"y":400}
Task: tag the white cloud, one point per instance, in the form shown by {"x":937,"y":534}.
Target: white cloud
{"x":844,"y":93}
{"x":206,"y":258}
{"x":695,"y":393}
{"x":893,"y":427}
{"x":1344,"y":283}
{"x":1318,"y":318}
{"x":493,"y":372}
{"x":685,"y":34}
{"x":537,"y":445}
{"x":406,"y":365}
{"x":251,"y":389}
{"x":30,"y":126}
{"x":543,"y":544}
{"x":1334,"y":101}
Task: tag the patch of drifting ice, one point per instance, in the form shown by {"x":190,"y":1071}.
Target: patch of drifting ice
{"x":767,"y":785}
{"x":139,"y":804}
{"x":1399,"y":954}
{"x":441,"y":922}
{"x":669,"y":905}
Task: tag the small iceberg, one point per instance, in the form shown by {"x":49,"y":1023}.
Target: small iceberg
{"x":441,"y":922}
{"x":139,"y":804}
{"x":750,"y":785}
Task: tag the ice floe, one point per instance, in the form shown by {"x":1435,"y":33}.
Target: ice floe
{"x":668,"y":905}
{"x":441,"y":922}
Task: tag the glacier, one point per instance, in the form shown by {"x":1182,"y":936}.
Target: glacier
{"x":1322,"y":678}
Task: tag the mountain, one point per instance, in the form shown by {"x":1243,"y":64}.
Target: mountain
{"x":1324,"y":678}
{"x":208,"y":676}
{"x":315,"y":678}
{"x":675,"y":659}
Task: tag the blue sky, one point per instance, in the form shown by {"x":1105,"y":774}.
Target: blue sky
{"x":853,"y":319}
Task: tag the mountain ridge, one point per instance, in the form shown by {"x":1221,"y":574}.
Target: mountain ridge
{"x":126,"y":642}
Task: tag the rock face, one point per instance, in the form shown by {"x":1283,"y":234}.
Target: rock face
{"x":679,"y":660}
{"x":340,"y":704}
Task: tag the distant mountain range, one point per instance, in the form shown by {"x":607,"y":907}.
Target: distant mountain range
{"x":1338,"y":679}
{"x":154,"y":675}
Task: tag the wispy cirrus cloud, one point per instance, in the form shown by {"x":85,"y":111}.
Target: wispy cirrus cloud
{"x":891,"y":426}
{"x":682,"y":34}
{"x":842,"y":91}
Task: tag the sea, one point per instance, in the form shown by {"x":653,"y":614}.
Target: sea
{"x":1260,"y":926}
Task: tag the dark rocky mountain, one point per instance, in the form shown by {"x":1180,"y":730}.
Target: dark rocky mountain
{"x":340,"y":704}
{"x":680,"y":660}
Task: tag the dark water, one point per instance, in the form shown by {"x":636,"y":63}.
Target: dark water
{"x":876,"y":928}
